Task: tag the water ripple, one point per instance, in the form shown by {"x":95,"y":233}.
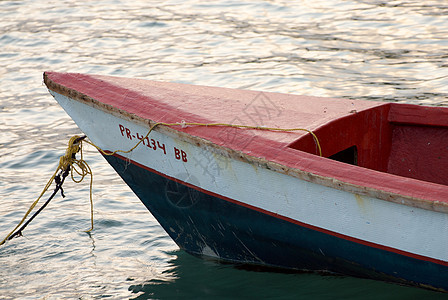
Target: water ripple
{"x":369,"y":49}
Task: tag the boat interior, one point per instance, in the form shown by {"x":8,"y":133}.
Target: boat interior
{"x":401,"y":139}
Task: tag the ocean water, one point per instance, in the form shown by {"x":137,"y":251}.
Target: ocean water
{"x":366,"y":49}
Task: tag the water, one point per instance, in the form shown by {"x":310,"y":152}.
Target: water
{"x":367,"y":49}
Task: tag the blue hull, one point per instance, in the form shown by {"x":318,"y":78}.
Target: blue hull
{"x":203,"y":223}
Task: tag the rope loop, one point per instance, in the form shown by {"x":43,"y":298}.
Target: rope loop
{"x":69,"y":163}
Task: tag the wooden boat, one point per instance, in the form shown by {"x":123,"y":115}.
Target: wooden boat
{"x":375,"y":204}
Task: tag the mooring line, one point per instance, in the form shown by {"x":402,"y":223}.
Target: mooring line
{"x":68,"y":164}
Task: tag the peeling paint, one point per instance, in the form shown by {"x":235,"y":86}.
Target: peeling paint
{"x":207,"y":251}
{"x":360,"y":202}
{"x":420,"y":201}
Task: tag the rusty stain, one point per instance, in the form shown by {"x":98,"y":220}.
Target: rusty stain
{"x":361,"y":203}
{"x":244,"y":157}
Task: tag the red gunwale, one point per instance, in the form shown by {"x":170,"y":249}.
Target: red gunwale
{"x":171,"y":102}
{"x":290,"y":220}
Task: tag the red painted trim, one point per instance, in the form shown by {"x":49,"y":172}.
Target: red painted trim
{"x":171,"y":102}
{"x":278,"y":216}
{"x":418,"y":115}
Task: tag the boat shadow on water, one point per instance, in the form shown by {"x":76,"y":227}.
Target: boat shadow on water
{"x":195,"y":278}
{"x":353,"y":187}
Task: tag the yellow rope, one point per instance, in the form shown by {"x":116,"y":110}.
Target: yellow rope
{"x":81,"y":167}
{"x":64,"y":162}
{"x":84,"y":171}
{"x":184,"y":124}
{"x":130,"y":150}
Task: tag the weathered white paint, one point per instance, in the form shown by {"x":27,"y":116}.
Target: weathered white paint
{"x":401,"y":227}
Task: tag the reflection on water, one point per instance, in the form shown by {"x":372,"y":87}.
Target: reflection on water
{"x":370,"y":49}
{"x":382,"y":50}
{"x":193,"y":278}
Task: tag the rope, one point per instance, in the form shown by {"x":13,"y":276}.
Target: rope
{"x":184,"y":124}
{"x":69,"y":164}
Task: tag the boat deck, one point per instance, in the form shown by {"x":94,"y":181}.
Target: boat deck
{"x":375,"y":141}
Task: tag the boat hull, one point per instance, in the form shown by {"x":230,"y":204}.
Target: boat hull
{"x":214,"y":203}
{"x":205,"y":224}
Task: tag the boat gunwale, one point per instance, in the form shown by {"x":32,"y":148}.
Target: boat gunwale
{"x":332,"y":182}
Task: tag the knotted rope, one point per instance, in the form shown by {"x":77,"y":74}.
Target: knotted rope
{"x":68,"y":163}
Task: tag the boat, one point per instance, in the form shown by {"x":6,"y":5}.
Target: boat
{"x":273,"y":180}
